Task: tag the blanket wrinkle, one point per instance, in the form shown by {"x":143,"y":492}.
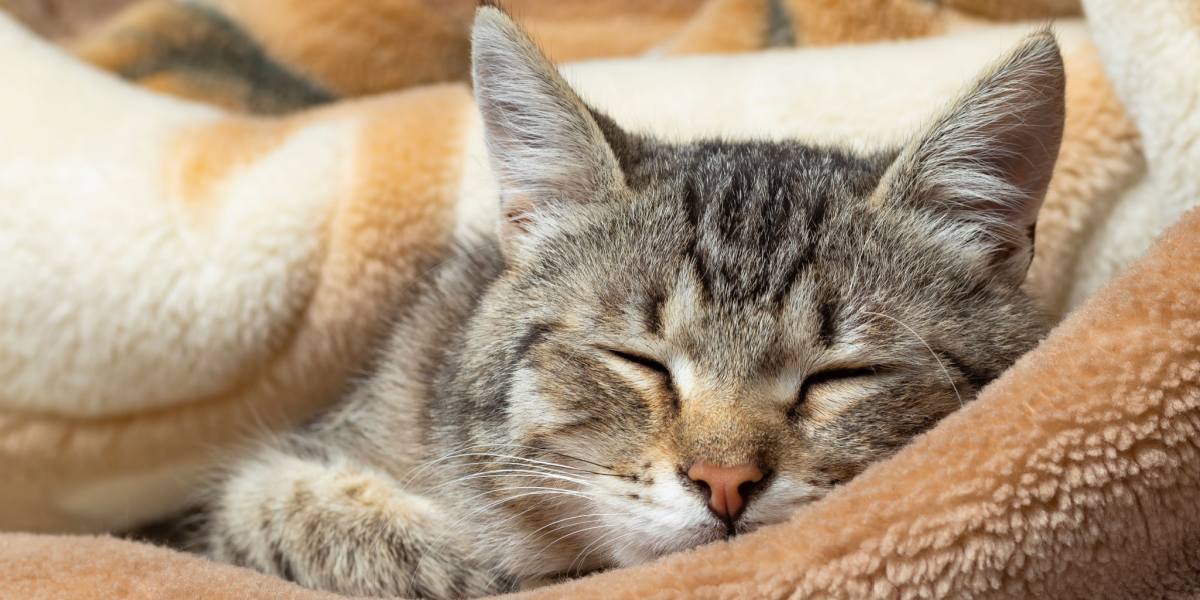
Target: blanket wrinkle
{"x":1074,"y":475}
{"x":1108,"y":478}
{"x":279,"y":56}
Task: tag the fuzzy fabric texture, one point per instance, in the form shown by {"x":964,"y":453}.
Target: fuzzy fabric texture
{"x":215,"y":277}
{"x":277,"y":56}
{"x":1073,"y":476}
{"x":61,"y":18}
{"x":1152,"y":53}
{"x":183,"y":277}
{"x":190,"y":277}
{"x":44,"y":567}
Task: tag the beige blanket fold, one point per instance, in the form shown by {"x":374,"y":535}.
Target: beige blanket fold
{"x":278,"y":56}
{"x":1073,"y":476}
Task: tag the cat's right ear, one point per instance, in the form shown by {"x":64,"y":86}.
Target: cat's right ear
{"x":546,"y":148}
{"x":983,"y":167}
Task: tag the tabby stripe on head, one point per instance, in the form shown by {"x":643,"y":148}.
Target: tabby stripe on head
{"x":587,"y":422}
{"x":533,"y":336}
{"x":530,"y":339}
{"x":693,"y":252}
{"x":652,"y":312}
{"x":817,"y":212}
{"x":827,"y":310}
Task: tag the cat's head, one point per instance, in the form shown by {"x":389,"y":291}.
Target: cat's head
{"x":694,"y":340}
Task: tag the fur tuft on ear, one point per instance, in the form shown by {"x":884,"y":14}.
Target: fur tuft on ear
{"x":545,"y":145}
{"x":987,"y":161}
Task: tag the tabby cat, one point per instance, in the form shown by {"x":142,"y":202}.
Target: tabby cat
{"x":662,"y":345}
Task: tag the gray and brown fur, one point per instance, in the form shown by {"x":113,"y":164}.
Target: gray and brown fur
{"x":645,"y":306}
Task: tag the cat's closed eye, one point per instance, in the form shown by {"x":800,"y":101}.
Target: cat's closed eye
{"x":826,"y":377}
{"x":651,"y":365}
{"x":642,"y":361}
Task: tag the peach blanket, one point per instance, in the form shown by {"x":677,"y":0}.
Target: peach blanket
{"x":1073,"y":476}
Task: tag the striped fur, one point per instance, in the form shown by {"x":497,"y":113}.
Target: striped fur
{"x":646,"y":306}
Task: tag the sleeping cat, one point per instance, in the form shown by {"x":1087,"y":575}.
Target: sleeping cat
{"x":662,"y":345}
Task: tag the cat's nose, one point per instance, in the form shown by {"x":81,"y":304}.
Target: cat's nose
{"x":727,"y":487}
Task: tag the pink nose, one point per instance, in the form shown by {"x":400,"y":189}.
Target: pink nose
{"x":725,"y":493}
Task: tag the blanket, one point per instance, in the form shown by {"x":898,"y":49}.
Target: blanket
{"x":275,"y":56}
{"x":187,"y":277}
{"x":1073,"y":476}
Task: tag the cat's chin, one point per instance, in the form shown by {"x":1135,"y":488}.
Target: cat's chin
{"x":659,"y":545}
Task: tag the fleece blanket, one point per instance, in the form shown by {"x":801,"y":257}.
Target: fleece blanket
{"x":191,"y":278}
{"x":274,"y":56}
{"x":185,"y":277}
{"x":1073,"y":476}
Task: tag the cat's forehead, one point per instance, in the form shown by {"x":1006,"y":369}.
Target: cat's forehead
{"x":760,"y":168}
{"x":758,"y":215}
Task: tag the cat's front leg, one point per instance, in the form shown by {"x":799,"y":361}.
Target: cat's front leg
{"x":331,"y":524}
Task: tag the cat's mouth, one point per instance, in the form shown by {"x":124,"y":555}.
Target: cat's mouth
{"x":709,"y":533}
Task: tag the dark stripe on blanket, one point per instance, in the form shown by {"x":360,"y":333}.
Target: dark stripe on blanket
{"x":779,"y":25}
{"x":215,"y":51}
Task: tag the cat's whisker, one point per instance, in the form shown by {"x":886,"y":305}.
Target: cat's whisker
{"x":577,"y":532}
{"x":580,"y":527}
{"x":560,"y":453}
{"x":631,"y":541}
{"x":937,"y":358}
{"x":608,"y":538}
{"x":514,"y":473}
{"x":506,"y":519}
{"x":564,"y":455}
{"x":546,"y":492}
{"x":539,"y":503}
{"x":421,"y":469}
{"x":546,"y":463}
{"x":482,"y":467}
{"x":477,"y":454}
{"x":564,"y":520}
{"x":425,"y":467}
{"x":514,"y":467}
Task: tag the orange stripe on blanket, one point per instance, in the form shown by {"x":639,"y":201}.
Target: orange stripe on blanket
{"x":723,"y":26}
{"x":831,"y":22}
{"x":399,"y":217}
{"x":359,"y":47}
{"x":206,"y":155}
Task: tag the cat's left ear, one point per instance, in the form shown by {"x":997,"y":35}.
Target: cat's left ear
{"x":983,"y":167}
{"x":546,"y":147}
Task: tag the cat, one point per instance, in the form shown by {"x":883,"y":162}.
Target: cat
{"x":661,"y":345}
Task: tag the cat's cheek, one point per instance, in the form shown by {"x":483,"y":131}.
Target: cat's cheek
{"x":779,"y":501}
{"x":659,"y":517}
{"x":632,"y":554}
{"x":530,"y":410}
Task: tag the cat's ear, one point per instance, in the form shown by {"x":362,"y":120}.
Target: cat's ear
{"x":984,"y":165}
{"x":547,"y":149}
